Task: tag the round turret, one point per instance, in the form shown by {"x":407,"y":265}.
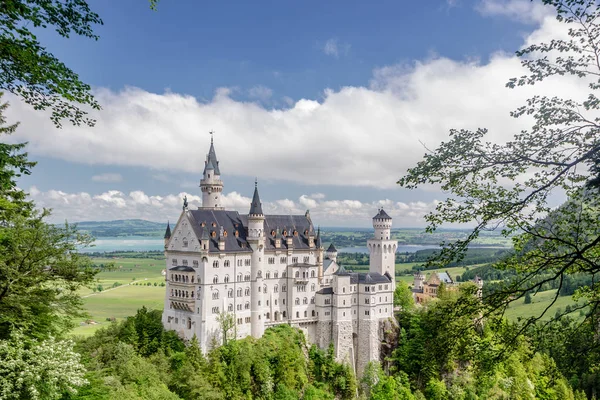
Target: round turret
{"x":331,"y":252}
{"x":382,"y":223}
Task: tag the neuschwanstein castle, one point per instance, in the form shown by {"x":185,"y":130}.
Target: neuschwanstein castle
{"x":272,"y":269}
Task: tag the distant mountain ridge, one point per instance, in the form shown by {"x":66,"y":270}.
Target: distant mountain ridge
{"x":122,"y":228}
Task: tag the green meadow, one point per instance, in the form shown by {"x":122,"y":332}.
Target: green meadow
{"x":124,"y":290}
{"x":138,"y":284}
{"x":539,"y":302}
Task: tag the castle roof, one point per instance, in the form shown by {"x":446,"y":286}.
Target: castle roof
{"x":326,"y":290}
{"x":382,"y":215}
{"x":327,"y":263}
{"x":168,"y":231}
{"x":183,"y":268}
{"x":206,"y":221}
{"x":256,"y":205}
{"x":211,"y":159}
{"x":332,"y":248}
{"x":444,"y":277}
{"x":318,"y":241}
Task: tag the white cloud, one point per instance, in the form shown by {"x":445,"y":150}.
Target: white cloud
{"x":521,"y":10}
{"x":360,"y":136}
{"x":260,"y":92}
{"x":334,"y":48}
{"x":114,"y":204}
{"x":108,"y":178}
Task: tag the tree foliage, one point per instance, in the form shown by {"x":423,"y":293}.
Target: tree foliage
{"x":40,"y":267}
{"x":28,"y":70}
{"x":38,"y":370}
{"x":509,"y":185}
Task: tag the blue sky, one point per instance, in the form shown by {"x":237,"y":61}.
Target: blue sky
{"x":327,"y":103}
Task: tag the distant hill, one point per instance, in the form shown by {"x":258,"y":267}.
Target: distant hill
{"x":122,"y":227}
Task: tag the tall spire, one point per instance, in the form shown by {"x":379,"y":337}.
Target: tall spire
{"x":168,"y":231}
{"x":318,"y":244}
{"x":212,"y":157}
{"x":256,"y":205}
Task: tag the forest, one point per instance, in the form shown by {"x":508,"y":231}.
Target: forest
{"x":454,"y":347}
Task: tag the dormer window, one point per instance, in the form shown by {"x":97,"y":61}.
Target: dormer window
{"x":224,"y":233}
{"x":295,"y":232}
{"x":214,"y":224}
{"x":284,"y":232}
{"x":237,"y":234}
{"x":203,"y":224}
{"x":306,"y":232}
{"x":213,"y":234}
{"x":273,"y":233}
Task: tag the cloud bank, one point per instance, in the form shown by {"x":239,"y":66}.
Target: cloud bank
{"x":115,"y":204}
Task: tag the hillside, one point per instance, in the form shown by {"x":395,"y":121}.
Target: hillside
{"x":342,"y":237}
{"x":122,"y":227}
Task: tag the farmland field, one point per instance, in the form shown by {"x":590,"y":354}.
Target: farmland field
{"x":538,"y":303}
{"x":133,"y":276}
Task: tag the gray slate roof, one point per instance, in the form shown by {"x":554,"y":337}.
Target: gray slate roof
{"x":326,"y":290}
{"x":327,"y":263}
{"x":382,"y":215}
{"x":332,"y":248}
{"x":184,"y":268}
{"x":289,"y":223}
{"x":232,"y":221}
{"x":256,"y":205}
{"x":444,"y":277}
{"x":212,"y":158}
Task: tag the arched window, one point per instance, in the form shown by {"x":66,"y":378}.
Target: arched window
{"x":247,"y":292}
{"x":268,"y":315}
{"x":216,"y":264}
{"x":226,"y":279}
{"x":275,"y":288}
{"x":312,"y":300}
{"x":283,"y":314}
{"x":230,"y":293}
{"x":226,"y":263}
{"x":185,"y":242}
{"x":297,"y":314}
{"x":297,"y":301}
{"x":305,"y":300}
{"x":276,"y":315}
{"x":312,"y":287}
{"x":313,"y":313}
{"x":215,"y":295}
{"x":239,"y":277}
{"x":297,"y":274}
{"x":247,"y":305}
{"x":305,"y":313}
{"x":216,"y":279}
{"x":259,"y":274}
{"x":312,"y":273}
{"x":265,"y":289}
{"x":230,"y":307}
{"x":275,"y":274}
{"x":268,"y":275}
{"x":239,"y":292}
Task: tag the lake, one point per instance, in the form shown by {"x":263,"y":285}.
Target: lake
{"x":143,"y":243}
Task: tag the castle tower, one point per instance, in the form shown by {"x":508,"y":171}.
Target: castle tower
{"x":167,"y":235}
{"x":382,"y":249}
{"x":419,"y":278}
{"x":211,"y":184}
{"x":256,"y":240}
{"x":331,"y":253}
{"x":319,"y":247}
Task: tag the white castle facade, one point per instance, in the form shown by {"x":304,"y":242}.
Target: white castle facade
{"x":272,"y":269}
